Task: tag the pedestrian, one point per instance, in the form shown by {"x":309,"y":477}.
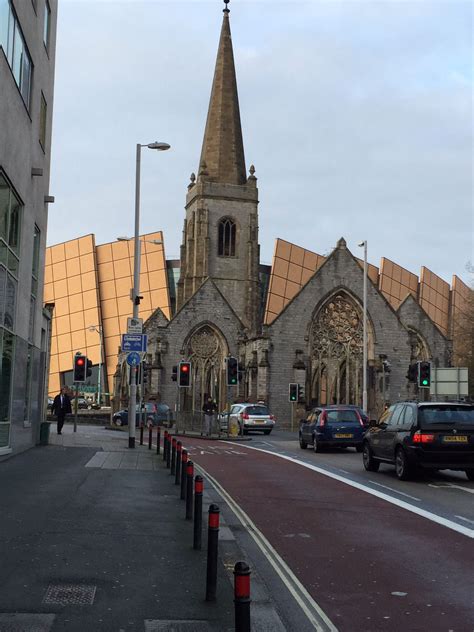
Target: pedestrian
{"x":209,"y":409}
{"x":61,"y":407}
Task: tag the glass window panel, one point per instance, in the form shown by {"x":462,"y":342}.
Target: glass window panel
{"x":47,"y":24}
{"x":4,"y":15}
{"x":25,"y":79}
{"x":17,"y":54}
{"x":4,"y":207}
{"x":43,"y":116}
{"x":31,"y":327}
{"x":11,"y":33}
{"x":10,"y":302}
{"x":12,"y":263}
{"x":6,"y":371}
{"x":26,"y":401}
{"x":14,"y":226}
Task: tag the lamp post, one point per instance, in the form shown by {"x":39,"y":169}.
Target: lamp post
{"x":135,"y":294}
{"x":364,"y":361}
{"x":98,"y":329}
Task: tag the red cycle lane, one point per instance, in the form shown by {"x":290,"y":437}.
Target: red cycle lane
{"x":370,"y":565}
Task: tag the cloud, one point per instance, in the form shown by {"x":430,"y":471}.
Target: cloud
{"x":357,"y":116}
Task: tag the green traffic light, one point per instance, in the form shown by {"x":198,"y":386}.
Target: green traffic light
{"x":425,"y":382}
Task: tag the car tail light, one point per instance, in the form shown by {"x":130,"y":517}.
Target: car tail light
{"x":423,"y":437}
{"x":323,"y":419}
{"x":272,"y":417}
{"x":244,"y":415}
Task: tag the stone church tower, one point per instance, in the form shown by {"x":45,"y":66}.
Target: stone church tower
{"x":220,"y":235}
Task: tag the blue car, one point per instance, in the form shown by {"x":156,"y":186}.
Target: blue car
{"x":152,"y":414}
{"x":332,"y":426}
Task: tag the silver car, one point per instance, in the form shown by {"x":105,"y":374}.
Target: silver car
{"x":249,"y":417}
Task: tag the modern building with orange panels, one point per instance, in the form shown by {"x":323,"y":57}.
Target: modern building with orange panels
{"x":299,"y":320}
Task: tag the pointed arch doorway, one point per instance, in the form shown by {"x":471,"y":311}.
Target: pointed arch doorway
{"x":336,"y":351}
{"x":206,"y":348}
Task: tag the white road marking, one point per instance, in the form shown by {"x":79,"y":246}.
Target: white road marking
{"x":451,"y":486}
{"x":395,"y":490}
{"x":445,"y":522}
{"x":466,"y":519}
{"x":312,"y":610}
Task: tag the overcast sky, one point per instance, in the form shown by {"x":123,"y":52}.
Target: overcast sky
{"x":357,"y":117}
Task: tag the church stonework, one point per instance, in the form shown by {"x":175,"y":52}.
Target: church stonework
{"x":315,"y":341}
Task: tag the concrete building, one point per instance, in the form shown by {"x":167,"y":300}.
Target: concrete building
{"x":299,"y":320}
{"x":27,"y":54}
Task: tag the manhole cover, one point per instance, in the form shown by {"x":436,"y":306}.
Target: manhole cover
{"x":70,"y":594}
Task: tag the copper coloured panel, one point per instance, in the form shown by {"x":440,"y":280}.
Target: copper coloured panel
{"x":434,"y":298}
{"x":396,"y":282}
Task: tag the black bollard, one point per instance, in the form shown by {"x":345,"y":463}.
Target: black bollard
{"x":242,"y":597}
{"x":150,"y":436}
{"x":165,"y":439}
{"x":141,"y":434}
{"x":158,"y":439}
{"x":198,"y":490}
{"x":212,"y":540}
{"x":184,"y":460}
{"x":189,"y":489}
{"x":173,"y":457}
{"x":177,"y":472}
{"x":168,"y":452}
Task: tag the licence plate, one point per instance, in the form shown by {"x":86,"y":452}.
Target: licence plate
{"x":455,"y":439}
{"x":343,"y":436}
{"x":259,"y":421}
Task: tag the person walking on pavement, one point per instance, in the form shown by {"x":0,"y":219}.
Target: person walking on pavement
{"x":209,"y":409}
{"x":61,"y":407}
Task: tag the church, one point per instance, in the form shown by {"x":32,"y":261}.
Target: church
{"x":228,"y":304}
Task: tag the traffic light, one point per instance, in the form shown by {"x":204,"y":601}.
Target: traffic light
{"x":144,"y":373}
{"x":424,"y":374}
{"x":184,"y":374}
{"x":301,"y":392}
{"x":79,"y":370}
{"x":232,"y":371}
{"x":412,"y":374}
{"x":293,"y":392}
{"x":88,"y":367}
{"x":174,"y":374}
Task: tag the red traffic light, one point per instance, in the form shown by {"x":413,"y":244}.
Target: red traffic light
{"x":184,"y":368}
{"x":80,"y":361}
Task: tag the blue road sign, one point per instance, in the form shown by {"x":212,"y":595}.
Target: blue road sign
{"x":134,"y":342}
{"x":133,"y":358}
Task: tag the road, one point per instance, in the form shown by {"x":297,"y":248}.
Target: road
{"x":375,"y":554}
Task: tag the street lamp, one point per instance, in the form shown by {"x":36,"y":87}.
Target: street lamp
{"x":135,"y":295}
{"x":364,"y":368}
{"x":98,"y":329}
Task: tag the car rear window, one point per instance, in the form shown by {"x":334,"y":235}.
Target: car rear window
{"x":257,"y":410}
{"x":162,"y":408}
{"x":446,"y":415}
{"x":337,"y":416}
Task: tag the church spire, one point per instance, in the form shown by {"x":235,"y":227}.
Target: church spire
{"x":223,"y":148}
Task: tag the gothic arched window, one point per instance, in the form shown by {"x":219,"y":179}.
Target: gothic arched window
{"x":226,"y":238}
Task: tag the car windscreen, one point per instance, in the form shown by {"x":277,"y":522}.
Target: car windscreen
{"x":451,"y":415}
{"x":162,"y":408}
{"x":257,"y":410}
{"x":338,"y":416}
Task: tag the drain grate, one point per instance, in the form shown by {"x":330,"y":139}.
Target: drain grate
{"x":70,"y":594}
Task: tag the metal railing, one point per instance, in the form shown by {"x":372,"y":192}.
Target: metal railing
{"x":193,"y":421}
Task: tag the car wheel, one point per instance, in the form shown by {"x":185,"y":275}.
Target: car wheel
{"x":402,"y":467}
{"x":117,"y":421}
{"x":303,"y":444}
{"x":370,"y":464}
{"x":470,"y":474}
{"x":316,"y":446}
{"x":359,"y":448}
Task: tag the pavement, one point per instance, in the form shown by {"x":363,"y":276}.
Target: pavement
{"x":93,"y":536}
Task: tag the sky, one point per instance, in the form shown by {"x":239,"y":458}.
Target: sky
{"x":358,"y":117}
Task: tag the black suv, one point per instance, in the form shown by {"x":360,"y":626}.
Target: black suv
{"x":436,"y":436}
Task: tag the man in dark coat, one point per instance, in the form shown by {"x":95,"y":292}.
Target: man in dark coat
{"x":61,"y":407}
{"x":209,"y":409}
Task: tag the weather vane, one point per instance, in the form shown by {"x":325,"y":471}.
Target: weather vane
{"x":226,"y":10}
